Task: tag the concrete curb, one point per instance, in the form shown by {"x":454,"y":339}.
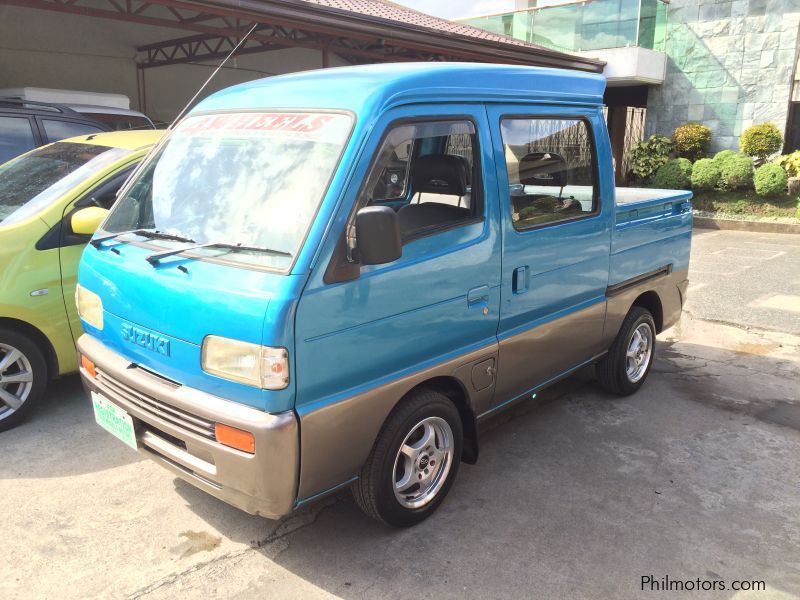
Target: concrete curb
{"x":735,"y":225}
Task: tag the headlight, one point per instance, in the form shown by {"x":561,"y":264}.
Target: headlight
{"x":251,"y":364}
{"x":90,"y":307}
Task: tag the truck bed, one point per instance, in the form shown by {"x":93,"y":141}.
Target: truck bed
{"x":652,"y":232}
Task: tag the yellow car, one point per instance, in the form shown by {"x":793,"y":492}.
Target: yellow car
{"x":51,"y":201}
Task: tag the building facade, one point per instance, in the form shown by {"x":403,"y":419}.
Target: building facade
{"x":727,"y":64}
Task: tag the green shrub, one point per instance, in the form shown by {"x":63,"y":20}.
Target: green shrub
{"x":675,"y":174}
{"x":722,"y":156}
{"x":692,"y":140}
{"x":647,"y":156}
{"x":705,"y":174}
{"x":798,"y":209}
{"x":770,"y":179}
{"x":736,"y":172}
{"x":790,"y":163}
{"x":761,"y":140}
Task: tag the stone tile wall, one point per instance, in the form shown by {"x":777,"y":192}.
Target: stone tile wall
{"x":730,"y":64}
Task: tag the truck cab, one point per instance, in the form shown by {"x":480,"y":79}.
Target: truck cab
{"x":330,"y":278}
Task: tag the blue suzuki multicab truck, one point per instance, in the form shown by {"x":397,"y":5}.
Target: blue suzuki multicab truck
{"x":330,"y":278}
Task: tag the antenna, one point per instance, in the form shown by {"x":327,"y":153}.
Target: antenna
{"x":154,"y":150}
{"x":210,"y":77}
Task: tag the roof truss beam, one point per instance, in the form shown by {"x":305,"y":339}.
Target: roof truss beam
{"x":359,"y":38}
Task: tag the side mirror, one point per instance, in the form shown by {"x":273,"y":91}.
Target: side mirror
{"x":378,"y":235}
{"x":87,"y":220}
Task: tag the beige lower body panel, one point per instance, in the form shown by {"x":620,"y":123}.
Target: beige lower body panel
{"x":336,"y":439}
{"x":535,"y":355}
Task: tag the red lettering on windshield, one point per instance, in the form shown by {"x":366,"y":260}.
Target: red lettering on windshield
{"x":295,"y":122}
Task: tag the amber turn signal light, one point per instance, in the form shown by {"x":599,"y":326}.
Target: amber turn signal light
{"x":88,"y":366}
{"x":235,"y":438}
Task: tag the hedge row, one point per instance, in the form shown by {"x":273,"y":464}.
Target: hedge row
{"x":728,"y":170}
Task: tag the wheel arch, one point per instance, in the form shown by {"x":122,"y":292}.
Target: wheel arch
{"x":651,"y":301}
{"x":38,"y":338}
{"x":454,"y":390}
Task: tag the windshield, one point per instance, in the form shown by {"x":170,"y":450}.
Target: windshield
{"x":249,"y":179}
{"x":32,"y":182}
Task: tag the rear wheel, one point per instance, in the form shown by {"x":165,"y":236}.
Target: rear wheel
{"x":624,"y":369}
{"x":23,"y":377}
{"x":414,"y":461}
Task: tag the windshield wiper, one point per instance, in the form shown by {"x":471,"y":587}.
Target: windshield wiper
{"x":151,"y":233}
{"x":154,"y":258}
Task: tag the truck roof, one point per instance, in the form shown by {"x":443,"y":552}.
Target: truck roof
{"x":367,"y":88}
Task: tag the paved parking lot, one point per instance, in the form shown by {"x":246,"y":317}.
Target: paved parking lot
{"x":749,"y":279}
{"x":577,"y":495}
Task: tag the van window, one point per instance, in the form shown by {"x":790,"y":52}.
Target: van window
{"x":551,"y":170}
{"x":121,"y":122}
{"x":16,"y":137}
{"x":59,"y":130}
{"x":426,"y":171}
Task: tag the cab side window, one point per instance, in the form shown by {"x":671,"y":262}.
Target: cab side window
{"x":551,"y":170}
{"x":427,"y":173}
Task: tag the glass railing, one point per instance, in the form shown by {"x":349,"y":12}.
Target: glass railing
{"x":587,"y":25}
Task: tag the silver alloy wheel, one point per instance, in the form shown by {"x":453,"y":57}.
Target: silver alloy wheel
{"x":423,"y":462}
{"x":637,"y":357}
{"x":16,"y":380}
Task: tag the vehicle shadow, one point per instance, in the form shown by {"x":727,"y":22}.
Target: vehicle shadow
{"x":577,"y":493}
{"x":60,"y":438}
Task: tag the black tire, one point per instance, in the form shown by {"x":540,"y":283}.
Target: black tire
{"x":612,"y":370}
{"x":374,"y":491}
{"x":33,"y":356}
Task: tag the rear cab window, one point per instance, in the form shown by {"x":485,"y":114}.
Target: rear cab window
{"x":551,"y":170}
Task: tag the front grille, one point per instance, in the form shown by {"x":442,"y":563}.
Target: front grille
{"x":152,"y":406}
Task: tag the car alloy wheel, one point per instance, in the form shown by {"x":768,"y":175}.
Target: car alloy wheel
{"x":16,"y":380}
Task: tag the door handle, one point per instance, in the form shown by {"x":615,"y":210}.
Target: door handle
{"x":519,"y":280}
{"x":478,"y":296}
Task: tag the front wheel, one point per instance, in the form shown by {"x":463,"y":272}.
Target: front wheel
{"x":414,"y":461}
{"x":23,"y":377}
{"x":624,"y":369}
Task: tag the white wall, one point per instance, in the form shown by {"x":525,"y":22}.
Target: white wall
{"x":47,"y":49}
{"x":631,"y":66}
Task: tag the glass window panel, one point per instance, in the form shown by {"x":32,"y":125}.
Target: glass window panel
{"x":16,"y":137}
{"x":551,"y":170}
{"x":59,"y":130}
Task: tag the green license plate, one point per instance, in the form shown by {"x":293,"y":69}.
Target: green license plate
{"x":114,"y":420}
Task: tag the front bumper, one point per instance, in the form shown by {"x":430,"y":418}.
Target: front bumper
{"x":175,"y":427}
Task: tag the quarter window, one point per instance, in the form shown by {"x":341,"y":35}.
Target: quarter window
{"x":551,"y":170}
